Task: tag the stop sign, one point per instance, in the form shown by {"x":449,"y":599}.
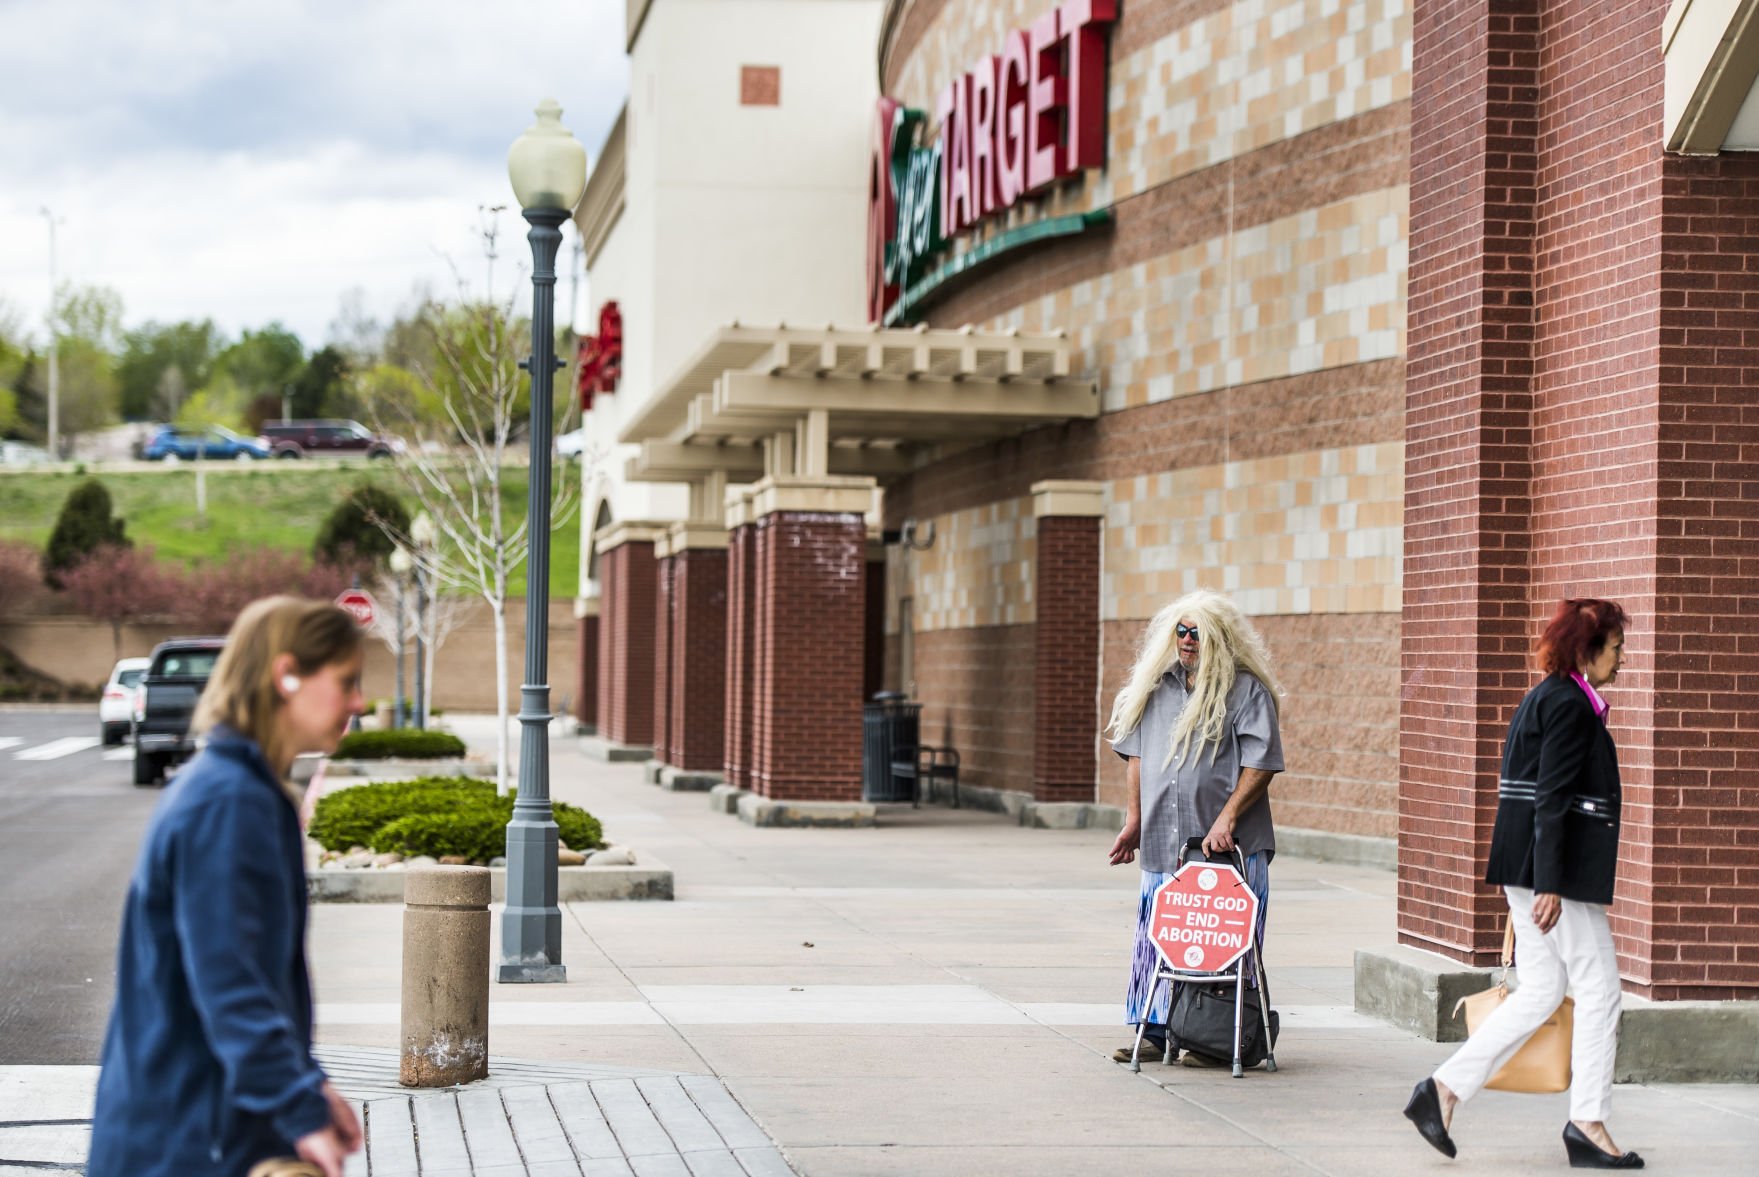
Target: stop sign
{"x":358,"y":602}
{"x":1203,"y":918}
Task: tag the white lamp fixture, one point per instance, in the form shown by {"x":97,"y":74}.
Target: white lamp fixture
{"x":547,"y":165}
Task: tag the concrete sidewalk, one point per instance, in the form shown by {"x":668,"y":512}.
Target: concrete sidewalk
{"x":941,"y":996}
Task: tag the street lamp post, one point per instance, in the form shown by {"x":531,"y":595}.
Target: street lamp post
{"x":400,"y":565}
{"x":54,"y":348}
{"x":548,"y":169}
{"x":424,"y":535}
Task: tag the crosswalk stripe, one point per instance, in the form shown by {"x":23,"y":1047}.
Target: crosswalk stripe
{"x":119,"y":754}
{"x":10,"y":742}
{"x":56,"y":749}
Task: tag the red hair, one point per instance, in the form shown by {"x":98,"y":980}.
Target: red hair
{"x":1578,"y":633}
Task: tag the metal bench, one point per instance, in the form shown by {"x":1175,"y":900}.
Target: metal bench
{"x":926,"y":763}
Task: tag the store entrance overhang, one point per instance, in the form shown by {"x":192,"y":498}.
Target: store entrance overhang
{"x":862,"y":402}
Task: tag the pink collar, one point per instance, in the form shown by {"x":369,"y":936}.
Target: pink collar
{"x":1594,"y":699}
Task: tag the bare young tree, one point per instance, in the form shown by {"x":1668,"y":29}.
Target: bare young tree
{"x":459,"y":472}
{"x":415,"y":620}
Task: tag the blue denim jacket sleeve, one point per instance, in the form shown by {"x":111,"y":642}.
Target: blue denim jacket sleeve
{"x":233,"y":910}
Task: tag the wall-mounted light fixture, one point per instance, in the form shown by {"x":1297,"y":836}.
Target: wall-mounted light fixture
{"x":917,"y":534}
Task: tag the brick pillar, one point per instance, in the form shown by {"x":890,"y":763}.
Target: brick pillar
{"x":699,"y":648}
{"x":586,"y":686}
{"x":626,"y":634}
{"x":1467,"y":630}
{"x":741,"y":677}
{"x":662,"y":671}
{"x":1065,"y":704}
{"x":811,"y":597}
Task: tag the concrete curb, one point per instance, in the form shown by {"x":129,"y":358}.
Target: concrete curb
{"x":600,"y":748}
{"x":1350,"y":849}
{"x":647,"y":879}
{"x":761,"y":811}
{"x":724,"y":798}
{"x":1659,"y":1041}
{"x":399,"y":770}
{"x":679,"y":780}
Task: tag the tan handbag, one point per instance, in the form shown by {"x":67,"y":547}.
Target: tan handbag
{"x":1542,"y":1065}
{"x":285,"y":1167}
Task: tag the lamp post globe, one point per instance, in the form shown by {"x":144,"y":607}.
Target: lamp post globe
{"x":548,"y":169}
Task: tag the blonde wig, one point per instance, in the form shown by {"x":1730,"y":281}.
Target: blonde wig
{"x":1227,"y":641}
{"x":242,"y":692}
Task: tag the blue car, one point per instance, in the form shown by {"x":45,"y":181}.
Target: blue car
{"x":175,"y":443}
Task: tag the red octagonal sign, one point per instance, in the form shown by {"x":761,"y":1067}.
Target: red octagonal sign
{"x":358,"y":602}
{"x":1203,"y":918}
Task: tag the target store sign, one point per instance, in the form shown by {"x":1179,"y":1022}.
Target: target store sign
{"x":1203,"y":918}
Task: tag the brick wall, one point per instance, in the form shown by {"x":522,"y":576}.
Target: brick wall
{"x":1066,"y":659}
{"x":1582,"y":323}
{"x":664,"y":622}
{"x":699,"y":660}
{"x":811,"y":587}
{"x":1339,"y":716}
{"x":1465,"y":626}
{"x":976,"y":691}
{"x":586,"y":670}
{"x":741,"y":668}
{"x":626,"y":643}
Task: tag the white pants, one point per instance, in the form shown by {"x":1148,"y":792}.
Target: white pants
{"x":1578,"y":950}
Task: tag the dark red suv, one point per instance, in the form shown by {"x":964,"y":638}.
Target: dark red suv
{"x":300,"y":439}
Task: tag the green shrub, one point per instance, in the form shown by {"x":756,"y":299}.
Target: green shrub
{"x":353,"y":531}
{"x":87,"y":522}
{"x":406,"y":743}
{"x":476,"y":832}
{"x":351,"y":817}
{"x":434,"y":815}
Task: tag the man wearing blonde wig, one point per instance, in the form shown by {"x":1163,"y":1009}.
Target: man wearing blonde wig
{"x":1197,"y":725}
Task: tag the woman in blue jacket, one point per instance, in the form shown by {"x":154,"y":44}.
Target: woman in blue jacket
{"x":207,"y":1065}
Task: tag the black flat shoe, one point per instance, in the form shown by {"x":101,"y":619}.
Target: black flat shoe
{"x":1424,"y":1110}
{"x":1585,"y":1154}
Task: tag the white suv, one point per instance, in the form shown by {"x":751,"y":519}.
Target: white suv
{"x":116,"y":707}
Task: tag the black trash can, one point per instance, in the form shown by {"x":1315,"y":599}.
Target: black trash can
{"x":890,"y":723}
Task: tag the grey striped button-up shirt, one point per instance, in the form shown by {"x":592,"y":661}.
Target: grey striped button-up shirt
{"x":1182,"y":800}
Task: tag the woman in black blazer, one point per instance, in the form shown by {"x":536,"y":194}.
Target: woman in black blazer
{"x":1554,"y":852}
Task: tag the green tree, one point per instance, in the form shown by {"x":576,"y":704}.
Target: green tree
{"x":355,"y":530}
{"x":160,"y":357}
{"x":220,"y":402}
{"x":261,"y":363}
{"x":322,"y":388}
{"x":91,"y":313}
{"x":87,"y":522}
{"x":88,"y":396}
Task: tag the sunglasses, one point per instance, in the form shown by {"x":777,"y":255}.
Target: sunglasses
{"x":1187,"y":631}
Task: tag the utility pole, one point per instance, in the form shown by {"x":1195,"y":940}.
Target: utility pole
{"x":574,"y":285}
{"x":286,"y":403}
{"x":54,"y":347}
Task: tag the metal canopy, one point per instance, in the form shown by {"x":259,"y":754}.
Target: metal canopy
{"x":878,"y":392}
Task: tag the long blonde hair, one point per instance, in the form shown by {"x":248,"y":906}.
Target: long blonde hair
{"x":1228,"y":643}
{"x":241,"y":692}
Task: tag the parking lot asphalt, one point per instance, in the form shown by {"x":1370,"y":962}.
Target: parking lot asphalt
{"x":70,"y":821}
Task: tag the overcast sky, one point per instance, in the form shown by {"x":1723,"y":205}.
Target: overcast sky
{"x":252,"y":160}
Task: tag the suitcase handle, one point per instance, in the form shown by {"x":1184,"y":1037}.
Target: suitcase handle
{"x":1231,"y":858}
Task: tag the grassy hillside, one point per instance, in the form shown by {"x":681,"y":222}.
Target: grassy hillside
{"x":250,"y":505}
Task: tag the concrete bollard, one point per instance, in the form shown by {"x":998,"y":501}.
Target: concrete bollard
{"x":445,"y":976}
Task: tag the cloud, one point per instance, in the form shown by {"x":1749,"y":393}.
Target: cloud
{"x":250,"y":161}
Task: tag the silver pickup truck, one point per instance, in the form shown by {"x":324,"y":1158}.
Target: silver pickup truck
{"x":164,"y":704}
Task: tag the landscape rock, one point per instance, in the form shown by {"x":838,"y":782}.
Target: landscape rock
{"x":454,"y":860}
{"x":498,"y":860}
{"x":422,"y":860}
{"x":387,"y":859}
{"x":355,"y":859}
{"x":614,"y":856}
{"x":566,"y":857}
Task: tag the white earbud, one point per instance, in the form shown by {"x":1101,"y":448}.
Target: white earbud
{"x":289,"y":683}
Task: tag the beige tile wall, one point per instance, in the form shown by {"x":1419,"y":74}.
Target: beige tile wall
{"x":978,"y":571}
{"x":1314,"y":532}
{"x":1225,"y":84}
